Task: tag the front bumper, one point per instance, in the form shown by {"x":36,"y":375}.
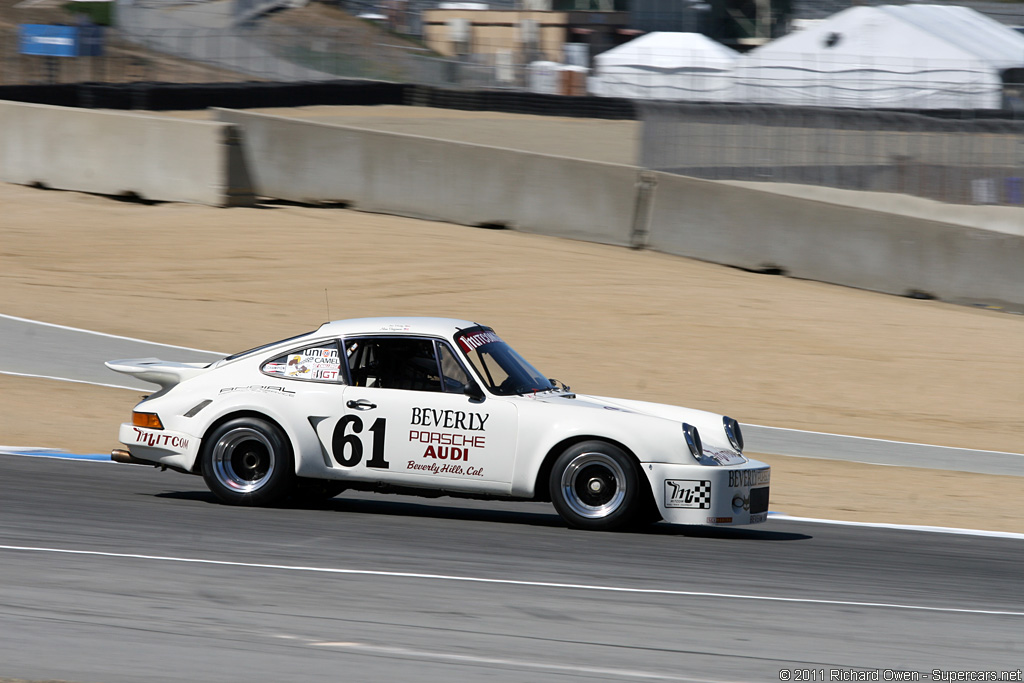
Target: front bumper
{"x":159,"y":446}
{"x":710,"y":496}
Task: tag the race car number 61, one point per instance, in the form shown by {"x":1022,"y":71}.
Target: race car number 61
{"x":355,"y":444}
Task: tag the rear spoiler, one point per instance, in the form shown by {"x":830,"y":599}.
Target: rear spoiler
{"x":162,"y":372}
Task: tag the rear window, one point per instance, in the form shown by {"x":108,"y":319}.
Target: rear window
{"x":266,"y":346}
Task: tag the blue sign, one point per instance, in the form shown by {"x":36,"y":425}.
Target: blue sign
{"x":60,"y":41}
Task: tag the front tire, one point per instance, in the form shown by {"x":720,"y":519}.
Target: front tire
{"x":248,"y":461}
{"x":595,"y":485}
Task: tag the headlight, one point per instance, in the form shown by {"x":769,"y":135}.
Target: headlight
{"x":693,"y":441}
{"x":732,"y":430}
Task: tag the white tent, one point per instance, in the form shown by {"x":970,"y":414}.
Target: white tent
{"x":666,"y":66}
{"x":909,"y":56}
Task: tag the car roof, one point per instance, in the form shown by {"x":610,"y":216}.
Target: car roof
{"x":438,"y":327}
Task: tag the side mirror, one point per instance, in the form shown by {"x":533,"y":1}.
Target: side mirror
{"x":474,"y":391}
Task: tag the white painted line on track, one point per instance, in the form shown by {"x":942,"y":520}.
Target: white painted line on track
{"x":68,"y":379}
{"x":873,"y":440}
{"x":111,"y":336}
{"x":902,"y":527}
{"x":499,"y":661}
{"x":508,"y":582}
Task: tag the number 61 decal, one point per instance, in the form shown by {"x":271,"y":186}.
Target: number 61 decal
{"x":355,"y":444}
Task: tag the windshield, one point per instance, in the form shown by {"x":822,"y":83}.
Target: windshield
{"x":503,"y":370}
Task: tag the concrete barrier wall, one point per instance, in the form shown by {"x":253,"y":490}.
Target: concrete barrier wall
{"x":713,"y":221}
{"x":843,"y":245}
{"x":293,"y":160}
{"x":156,"y":158}
{"x":424,"y":177}
{"x":584,"y":200}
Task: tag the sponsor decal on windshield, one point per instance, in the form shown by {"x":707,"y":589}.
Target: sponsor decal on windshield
{"x":469,"y":342}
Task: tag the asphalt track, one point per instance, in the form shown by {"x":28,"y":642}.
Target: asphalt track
{"x":123,"y":573}
{"x":32,"y":348}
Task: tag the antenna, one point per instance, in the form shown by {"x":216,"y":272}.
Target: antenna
{"x":328,"y":302}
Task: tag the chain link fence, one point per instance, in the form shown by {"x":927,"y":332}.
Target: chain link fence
{"x":258,"y":52}
{"x":202,"y":55}
{"x":956,"y":160}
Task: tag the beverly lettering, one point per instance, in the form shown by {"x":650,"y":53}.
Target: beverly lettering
{"x":449,"y":419}
{"x":744,"y":478}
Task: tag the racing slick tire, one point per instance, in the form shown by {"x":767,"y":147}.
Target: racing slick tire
{"x":594,"y":485}
{"x":248,"y":461}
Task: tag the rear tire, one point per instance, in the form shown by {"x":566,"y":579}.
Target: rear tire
{"x":248,"y":461}
{"x":594,"y":485}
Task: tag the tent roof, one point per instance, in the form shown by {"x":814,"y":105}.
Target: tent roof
{"x":664,"y":49}
{"x":936,"y":34}
{"x":971,"y":31}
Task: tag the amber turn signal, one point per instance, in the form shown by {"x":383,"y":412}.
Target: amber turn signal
{"x":150,"y":420}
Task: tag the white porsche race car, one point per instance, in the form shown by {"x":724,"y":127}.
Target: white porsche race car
{"x":433,"y":406}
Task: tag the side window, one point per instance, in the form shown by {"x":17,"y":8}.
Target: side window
{"x":321,"y":363}
{"x":393,"y":363}
{"x":454,"y":376}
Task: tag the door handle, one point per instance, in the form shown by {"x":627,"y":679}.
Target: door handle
{"x":361,"y":404}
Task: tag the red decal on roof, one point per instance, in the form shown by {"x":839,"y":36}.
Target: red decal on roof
{"x":477,"y":339}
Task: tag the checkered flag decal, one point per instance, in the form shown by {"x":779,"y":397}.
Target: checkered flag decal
{"x":688,"y":493}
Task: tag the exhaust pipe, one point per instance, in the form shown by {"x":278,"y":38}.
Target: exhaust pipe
{"x":125,"y":458}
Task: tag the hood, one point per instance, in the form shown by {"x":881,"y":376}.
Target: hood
{"x":711,"y":427}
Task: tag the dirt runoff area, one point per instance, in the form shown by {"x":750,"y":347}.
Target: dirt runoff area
{"x":607,"y":320}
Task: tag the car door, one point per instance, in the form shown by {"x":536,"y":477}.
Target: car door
{"x":406,"y":420}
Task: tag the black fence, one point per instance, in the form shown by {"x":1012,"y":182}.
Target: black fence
{"x":182,"y":96}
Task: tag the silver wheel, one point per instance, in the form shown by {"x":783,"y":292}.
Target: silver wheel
{"x":248,"y":461}
{"x":596,"y":485}
{"x":243,"y":460}
{"x":593,"y":485}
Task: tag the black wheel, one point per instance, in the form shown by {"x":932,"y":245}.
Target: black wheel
{"x":595,"y":485}
{"x":248,"y":461}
